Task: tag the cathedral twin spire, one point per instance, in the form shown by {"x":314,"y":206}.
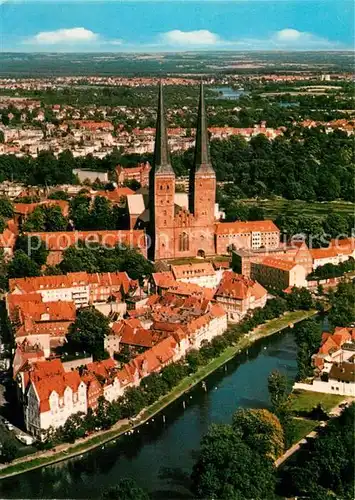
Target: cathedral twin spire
{"x":161,"y":151}
{"x":202,"y":162}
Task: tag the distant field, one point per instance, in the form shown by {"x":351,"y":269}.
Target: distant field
{"x":273,"y":208}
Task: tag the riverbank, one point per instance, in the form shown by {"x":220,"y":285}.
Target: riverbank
{"x":66,"y":451}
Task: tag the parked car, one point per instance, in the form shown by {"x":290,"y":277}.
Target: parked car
{"x":25,"y":439}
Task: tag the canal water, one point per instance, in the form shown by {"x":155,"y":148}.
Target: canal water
{"x":160,"y":456}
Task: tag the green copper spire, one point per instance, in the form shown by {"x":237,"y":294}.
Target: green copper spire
{"x":161,"y":151}
{"x":202,"y":163}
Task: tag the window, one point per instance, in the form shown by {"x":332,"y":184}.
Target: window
{"x":183,"y":242}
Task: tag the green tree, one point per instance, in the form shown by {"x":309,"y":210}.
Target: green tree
{"x":329,"y":463}
{"x":8,"y":450}
{"x":6,"y":207}
{"x":79,"y":211}
{"x":22,"y":266}
{"x":300,"y":298}
{"x":135,"y":264}
{"x":132,"y":184}
{"x":36,"y":221}
{"x":335,"y":225}
{"x":278,"y":389}
{"x":54,"y":219}
{"x":229,"y":468}
{"x":308,"y":338}
{"x":261,"y":430}
{"x":58,"y":195}
{"x":126,"y":489}
{"x":33,"y":247}
{"x":88,"y":332}
{"x":154,"y":387}
{"x":173,"y":373}
{"x":342,"y":303}
{"x":76,"y":259}
{"x":101,"y":214}
{"x":74,"y":428}
{"x":279,"y":392}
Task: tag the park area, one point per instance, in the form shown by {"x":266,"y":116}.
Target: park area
{"x":273,"y":208}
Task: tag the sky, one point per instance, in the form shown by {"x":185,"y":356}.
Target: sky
{"x":175,"y":25}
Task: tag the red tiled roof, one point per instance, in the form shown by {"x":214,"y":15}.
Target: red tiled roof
{"x":102,"y":368}
{"x":28,"y":208}
{"x":347,"y":242}
{"x":116,"y":195}
{"x":38,"y":311}
{"x":284,"y":265}
{"x":37,"y":284}
{"x":92,"y":125}
{"x":239,"y":287}
{"x":44,"y":369}
{"x":164,"y":279}
{"x":323,"y":253}
{"x":240,"y":227}
{"x":193,"y":270}
{"x":331,"y":342}
{"x":58,"y":383}
{"x":187,"y":289}
{"x":133,"y":335}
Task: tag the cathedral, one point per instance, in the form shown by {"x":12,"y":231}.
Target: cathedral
{"x":176,"y":231}
{"x":178,"y":227}
{"x":188,"y":224}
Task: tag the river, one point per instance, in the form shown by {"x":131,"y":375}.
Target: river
{"x":160,"y":456}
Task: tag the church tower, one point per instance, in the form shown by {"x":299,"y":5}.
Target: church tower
{"x":161,"y":192}
{"x":202,"y":185}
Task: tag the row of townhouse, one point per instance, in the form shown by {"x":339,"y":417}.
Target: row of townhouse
{"x":81,"y":288}
{"x":51,"y":391}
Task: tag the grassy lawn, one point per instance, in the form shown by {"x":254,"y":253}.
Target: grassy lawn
{"x":304,"y":401}
{"x":303,"y":427}
{"x":273,"y":208}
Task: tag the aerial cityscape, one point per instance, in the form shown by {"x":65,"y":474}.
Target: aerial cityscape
{"x":177,"y":249}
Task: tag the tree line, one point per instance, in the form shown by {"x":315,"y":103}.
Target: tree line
{"x":307,"y":165}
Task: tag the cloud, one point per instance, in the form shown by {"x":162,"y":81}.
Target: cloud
{"x":62,"y":36}
{"x":292,"y":38}
{"x":284,"y":39}
{"x":190,"y":38}
{"x":70,"y":39}
{"x":288,"y":35}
